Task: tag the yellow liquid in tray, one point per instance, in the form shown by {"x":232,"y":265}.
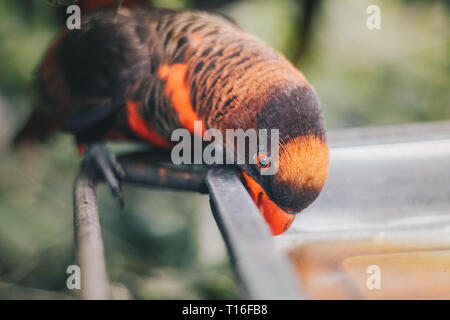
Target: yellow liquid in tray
{"x":369,"y":269}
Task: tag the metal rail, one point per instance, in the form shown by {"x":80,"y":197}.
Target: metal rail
{"x":88,"y":237}
{"x":264,"y":271}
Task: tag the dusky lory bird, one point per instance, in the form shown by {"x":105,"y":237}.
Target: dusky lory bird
{"x":145,"y":73}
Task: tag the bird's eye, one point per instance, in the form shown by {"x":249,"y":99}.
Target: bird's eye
{"x":263,"y":161}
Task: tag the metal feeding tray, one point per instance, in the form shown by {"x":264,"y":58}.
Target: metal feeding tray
{"x":386,"y":205}
{"x":385,"y":209}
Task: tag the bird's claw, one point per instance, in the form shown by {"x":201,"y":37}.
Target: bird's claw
{"x":108,"y":165}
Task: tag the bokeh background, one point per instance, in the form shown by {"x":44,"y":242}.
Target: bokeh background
{"x":166,"y":244}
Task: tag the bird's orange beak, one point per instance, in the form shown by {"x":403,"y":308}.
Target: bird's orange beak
{"x":278,"y":220}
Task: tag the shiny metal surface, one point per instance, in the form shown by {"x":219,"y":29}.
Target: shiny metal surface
{"x":399,"y":180}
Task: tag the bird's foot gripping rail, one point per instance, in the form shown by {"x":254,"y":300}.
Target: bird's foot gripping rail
{"x":264,"y":272}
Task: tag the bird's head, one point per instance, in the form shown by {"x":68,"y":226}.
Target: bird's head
{"x":288,"y":178}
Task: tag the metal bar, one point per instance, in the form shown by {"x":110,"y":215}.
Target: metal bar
{"x":365,"y":136}
{"x":88,"y":237}
{"x":143,"y":169}
{"x":265,"y":272}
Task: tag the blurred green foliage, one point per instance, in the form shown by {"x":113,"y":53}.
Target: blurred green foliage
{"x":165,"y":244}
